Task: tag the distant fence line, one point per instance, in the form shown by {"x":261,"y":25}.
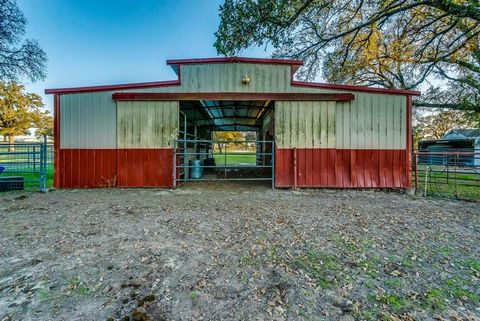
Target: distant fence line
{"x":455,"y":172}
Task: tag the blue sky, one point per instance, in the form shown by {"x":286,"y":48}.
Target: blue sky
{"x":99,"y":42}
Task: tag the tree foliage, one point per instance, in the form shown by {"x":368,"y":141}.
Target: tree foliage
{"x":392,"y":44}
{"x":435,"y":123}
{"x":19,"y":57}
{"x":45,"y":125}
{"x":19,"y":111}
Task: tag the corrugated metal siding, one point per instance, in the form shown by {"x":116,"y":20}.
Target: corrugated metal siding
{"x":87,"y":168}
{"x":371,"y":121}
{"x":305,"y":124}
{"x":227,"y":77}
{"x":91,"y":168}
{"x":147,"y":124}
{"x":145,"y":167}
{"x":88,"y":120}
{"x":341,"y":168}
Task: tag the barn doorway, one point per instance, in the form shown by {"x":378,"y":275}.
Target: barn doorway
{"x":225,"y":141}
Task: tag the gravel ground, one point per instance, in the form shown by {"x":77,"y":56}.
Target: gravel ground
{"x":237,"y":252}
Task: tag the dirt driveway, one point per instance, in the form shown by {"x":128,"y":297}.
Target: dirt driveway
{"x":239,"y":253}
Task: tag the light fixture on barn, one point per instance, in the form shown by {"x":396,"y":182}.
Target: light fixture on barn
{"x":245,"y":80}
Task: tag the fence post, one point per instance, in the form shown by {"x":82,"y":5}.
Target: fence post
{"x":415,"y":154}
{"x":426,"y":180}
{"x":34,"y":159}
{"x":43,"y":165}
{"x":174,"y":163}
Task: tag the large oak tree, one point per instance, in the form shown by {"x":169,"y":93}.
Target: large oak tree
{"x":392,"y":44}
{"x":19,"y":111}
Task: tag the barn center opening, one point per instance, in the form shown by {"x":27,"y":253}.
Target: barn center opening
{"x":225,"y":140}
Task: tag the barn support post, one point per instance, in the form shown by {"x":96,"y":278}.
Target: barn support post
{"x":295,"y":169}
{"x":174,"y":163}
{"x":273,"y":164}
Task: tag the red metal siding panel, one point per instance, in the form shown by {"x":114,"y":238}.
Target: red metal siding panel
{"x":347,"y":168}
{"x":145,"y":167}
{"x":88,"y":168}
{"x":80,"y":168}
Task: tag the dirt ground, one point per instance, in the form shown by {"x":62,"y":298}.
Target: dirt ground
{"x":236,"y":252}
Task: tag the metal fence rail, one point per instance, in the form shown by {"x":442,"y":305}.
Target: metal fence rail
{"x":257,"y":164}
{"x":26,"y":163}
{"x":453,"y":173}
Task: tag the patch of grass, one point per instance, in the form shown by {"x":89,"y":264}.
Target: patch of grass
{"x":345,"y":244}
{"x":473,"y":264}
{"x":435,"y":299}
{"x":83,"y":291}
{"x":407,"y":262}
{"x":45,"y":294}
{"x":194,"y":295}
{"x":77,"y":286}
{"x":318,"y":265}
{"x":247,"y":259}
{"x":444,"y":251}
{"x":245,"y":277}
{"x":394,"y":283}
{"x":457,"y":288}
{"x":73,"y":283}
{"x":370,"y":265}
{"x":396,"y":303}
{"x":367,"y":315}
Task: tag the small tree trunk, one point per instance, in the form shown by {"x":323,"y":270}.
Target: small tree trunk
{"x":5,"y":138}
{"x":11,"y":140}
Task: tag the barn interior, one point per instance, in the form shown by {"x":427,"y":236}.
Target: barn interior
{"x":202,"y":155}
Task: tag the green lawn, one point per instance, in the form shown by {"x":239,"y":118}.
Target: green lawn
{"x":32,"y":180}
{"x":462,"y":185}
{"x":235,"y":158}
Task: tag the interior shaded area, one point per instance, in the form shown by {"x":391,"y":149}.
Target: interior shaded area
{"x":204,"y":156}
{"x":223,"y":115}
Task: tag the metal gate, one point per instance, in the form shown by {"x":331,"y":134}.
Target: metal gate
{"x":221,"y":160}
{"x":25,"y":165}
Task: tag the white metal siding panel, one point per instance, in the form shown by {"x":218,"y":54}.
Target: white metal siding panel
{"x":372,"y":121}
{"x":305,"y":124}
{"x":87,"y":120}
{"x":147,"y":124}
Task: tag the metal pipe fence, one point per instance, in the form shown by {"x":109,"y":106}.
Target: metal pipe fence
{"x":454,"y":173}
{"x":28,"y":165}
{"x":218,"y":161}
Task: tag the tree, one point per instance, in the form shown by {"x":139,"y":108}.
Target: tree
{"x":19,"y":111}
{"x":44,"y":125}
{"x":19,"y":57}
{"x":434,"y":123}
{"x":392,"y":44}
{"x":226,"y":136}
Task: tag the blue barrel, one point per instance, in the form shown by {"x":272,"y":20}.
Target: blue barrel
{"x":196,"y":169}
